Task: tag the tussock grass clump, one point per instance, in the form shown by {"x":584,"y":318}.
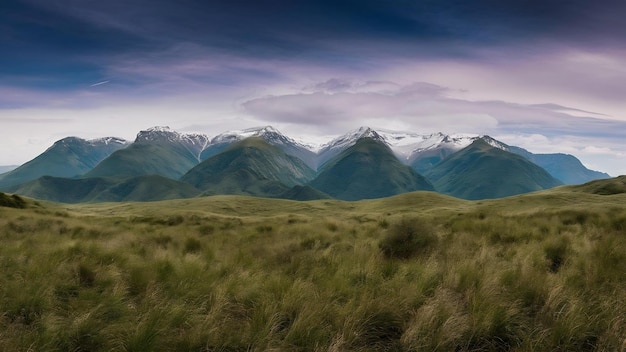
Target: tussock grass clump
{"x":407,"y":238}
{"x":556,"y":251}
{"x":12,"y":201}
{"x":192,"y":245}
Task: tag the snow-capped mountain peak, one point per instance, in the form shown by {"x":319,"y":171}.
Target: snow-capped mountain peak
{"x":495,"y":143}
{"x":193,"y":142}
{"x":157,"y":134}
{"x":108,"y":140}
{"x":164,"y":133}
{"x":350,"y":138}
{"x":159,"y":129}
{"x":77,"y":142}
{"x":268,"y":133}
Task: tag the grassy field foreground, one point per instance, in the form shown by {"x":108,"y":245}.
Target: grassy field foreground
{"x":417,"y":272}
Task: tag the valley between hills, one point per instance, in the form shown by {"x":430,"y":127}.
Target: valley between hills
{"x":418,"y":271}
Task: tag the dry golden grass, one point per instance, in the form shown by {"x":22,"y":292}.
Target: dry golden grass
{"x":537,"y":272}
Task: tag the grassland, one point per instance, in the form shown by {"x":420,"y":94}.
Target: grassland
{"x":416,"y":272}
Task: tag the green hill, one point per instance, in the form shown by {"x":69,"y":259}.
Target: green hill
{"x":610,"y":186}
{"x":304,"y":193}
{"x":481,"y":171}
{"x":250,"y":167}
{"x":104,"y":189}
{"x":65,"y":190}
{"x":68,"y":157}
{"x":368,"y":169}
{"x":147,"y":158}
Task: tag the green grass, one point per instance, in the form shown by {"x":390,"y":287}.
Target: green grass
{"x":543,"y":271}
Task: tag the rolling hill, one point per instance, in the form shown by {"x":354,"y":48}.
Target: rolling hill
{"x":611,"y":186}
{"x":105,"y":189}
{"x":541,"y":269}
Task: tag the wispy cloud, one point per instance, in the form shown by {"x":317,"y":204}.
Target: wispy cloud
{"x":99,"y":83}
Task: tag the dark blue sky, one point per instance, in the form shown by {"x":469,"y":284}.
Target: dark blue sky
{"x":69,"y":65}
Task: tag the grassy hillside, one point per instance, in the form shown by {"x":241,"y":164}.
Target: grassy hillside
{"x":147,"y":158}
{"x":481,"y":171}
{"x":610,"y":186}
{"x":304,"y":193}
{"x":367,"y":170}
{"x":416,"y":272}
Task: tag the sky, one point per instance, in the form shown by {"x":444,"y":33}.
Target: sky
{"x":545,"y":75}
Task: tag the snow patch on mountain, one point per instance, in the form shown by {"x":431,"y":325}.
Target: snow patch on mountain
{"x":267,"y":133}
{"x":349,"y":139}
{"x":273,"y":137}
{"x":108,"y":141}
{"x":495,"y":143}
{"x":407,"y":146}
{"x":195,"y":143}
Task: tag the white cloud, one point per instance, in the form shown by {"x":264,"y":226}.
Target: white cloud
{"x":343,"y":104}
{"x":420,"y":106}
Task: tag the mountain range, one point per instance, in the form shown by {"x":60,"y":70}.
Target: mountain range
{"x":361,"y":164}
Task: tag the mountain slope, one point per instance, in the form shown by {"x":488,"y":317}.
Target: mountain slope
{"x":7,"y":168}
{"x":368,"y":169}
{"x":482,"y":171}
{"x":147,"y":188}
{"x":270,"y":135}
{"x":251,"y":167}
{"x":565,"y":167}
{"x":341,"y":143}
{"x":68,"y":157}
{"x":422,"y":151}
{"x":156,"y":151}
{"x":102,"y":189}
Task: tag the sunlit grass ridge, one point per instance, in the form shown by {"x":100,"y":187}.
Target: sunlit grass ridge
{"x":537,"y":272}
